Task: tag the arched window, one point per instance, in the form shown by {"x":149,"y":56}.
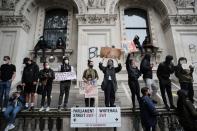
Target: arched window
{"x":136,"y":23}
{"x":55,"y":26}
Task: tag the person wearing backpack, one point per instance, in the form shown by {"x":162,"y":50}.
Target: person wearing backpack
{"x":29,"y":81}
{"x":64,"y":85}
{"x":94,"y":77}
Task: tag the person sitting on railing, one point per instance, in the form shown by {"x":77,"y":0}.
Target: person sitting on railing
{"x":184,"y":73}
{"x":186,"y":112}
{"x":16,"y":104}
{"x":148,"y":112}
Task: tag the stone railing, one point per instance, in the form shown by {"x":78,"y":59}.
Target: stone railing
{"x":60,"y":121}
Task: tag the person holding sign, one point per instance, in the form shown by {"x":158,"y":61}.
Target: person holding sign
{"x":64,"y":85}
{"x":184,"y":73}
{"x":133,"y":75}
{"x":46,"y":77}
{"x":109,"y":84}
{"x":86,"y":77}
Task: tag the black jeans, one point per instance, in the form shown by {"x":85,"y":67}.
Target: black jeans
{"x":46,"y":92}
{"x":89,"y":102}
{"x":109,"y":94}
{"x":188,"y":86}
{"x":149,"y":128}
{"x":135,"y":90}
{"x":64,"y":89}
{"x":166,"y":87}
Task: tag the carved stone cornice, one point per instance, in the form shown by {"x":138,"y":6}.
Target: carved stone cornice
{"x":174,"y":20}
{"x":97,"y":19}
{"x":15,"y":21}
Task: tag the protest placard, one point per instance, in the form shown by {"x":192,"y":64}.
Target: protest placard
{"x":62,"y":76}
{"x":89,"y":89}
{"x":109,"y":52}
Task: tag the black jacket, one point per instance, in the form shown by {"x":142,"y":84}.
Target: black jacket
{"x":164,"y":70}
{"x":47,"y":74}
{"x":187,"y":115}
{"x":112,"y":72}
{"x":30,"y":73}
{"x":133,"y":72}
{"x":145,"y":67}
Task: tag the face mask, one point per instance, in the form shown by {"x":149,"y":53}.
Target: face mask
{"x":183,"y":62}
{"x":5,"y":62}
{"x":66,"y":61}
{"x":91,"y":66}
{"x":47,"y":67}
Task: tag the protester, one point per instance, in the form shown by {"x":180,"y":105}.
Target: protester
{"x":7,"y":75}
{"x":146,"y":70}
{"x":109,"y":84}
{"x":46,"y":77}
{"x":133,"y":75}
{"x":185,"y":76}
{"x":64,"y":85}
{"x":29,"y":81}
{"x":163,"y":73}
{"x":186,"y":112}
{"x":148,"y":112}
{"x":16,"y":104}
{"x":94,"y":77}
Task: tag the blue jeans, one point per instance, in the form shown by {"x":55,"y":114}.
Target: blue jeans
{"x":4,"y":92}
{"x":11,"y":112}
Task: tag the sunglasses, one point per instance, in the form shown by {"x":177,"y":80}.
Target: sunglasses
{"x":4,"y":59}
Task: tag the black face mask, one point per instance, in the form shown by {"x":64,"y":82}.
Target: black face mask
{"x":90,"y":66}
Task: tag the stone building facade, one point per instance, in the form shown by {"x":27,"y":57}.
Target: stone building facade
{"x":170,"y":24}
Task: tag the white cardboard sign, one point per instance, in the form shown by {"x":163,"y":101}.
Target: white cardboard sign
{"x":95,"y":117}
{"x":62,"y":76}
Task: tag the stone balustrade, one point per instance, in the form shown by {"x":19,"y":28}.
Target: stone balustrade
{"x":60,"y":121}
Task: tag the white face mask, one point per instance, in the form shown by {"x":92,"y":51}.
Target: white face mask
{"x":47,"y":67}
{"x":5,"y":62}
{"x":66,"y":61}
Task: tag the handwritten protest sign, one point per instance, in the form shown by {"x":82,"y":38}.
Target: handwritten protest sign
{"x":89,"y":89}
{"x":96,"y":117}
{"x":62,"y":76}
{"x":109,"y":52}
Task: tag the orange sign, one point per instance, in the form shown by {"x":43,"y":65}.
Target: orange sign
{"x":109,"y":52}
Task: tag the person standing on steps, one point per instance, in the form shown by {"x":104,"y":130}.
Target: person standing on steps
{"x":7,"y":75}
{"x":109,"y":84}
{"x":64,"y":85}
{"x":165,"y":69}
{"x":29,"y":81}
{"x":88,"y":74}
{"x":133,"y":75}
{"x":46,"y":77}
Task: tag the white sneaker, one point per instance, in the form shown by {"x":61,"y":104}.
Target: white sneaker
{"x":41,"y":109}
{"x":7,"y":128}
{"x":4,"y":109}
{"x":47,"y":109}
{"x":11,"y":126}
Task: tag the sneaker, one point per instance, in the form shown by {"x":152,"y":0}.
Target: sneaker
{"x":41,"y":109}
{"x":4,"y":109}
{"x":31,"y":108}
{"x":11,"y":126}
{"x":7,"y":128}
{"x":47,"y":109}
{"x":59,"y":108}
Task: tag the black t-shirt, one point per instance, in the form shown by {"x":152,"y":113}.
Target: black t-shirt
{"x":6,"y":71}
